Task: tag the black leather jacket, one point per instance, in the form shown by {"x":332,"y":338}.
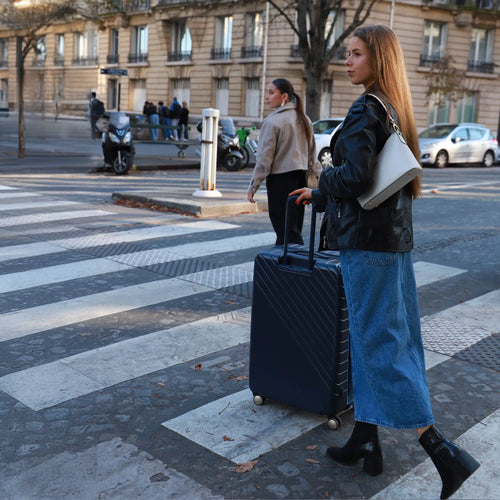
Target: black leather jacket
{"x":354,"y":150}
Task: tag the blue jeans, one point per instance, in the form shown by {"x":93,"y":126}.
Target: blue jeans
{"x":387,"y":355}
{"x":154,"y":120}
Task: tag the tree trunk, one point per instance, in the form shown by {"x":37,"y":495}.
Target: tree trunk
{"x":20,"y":98}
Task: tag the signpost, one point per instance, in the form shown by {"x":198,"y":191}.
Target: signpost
{"x":115,"y":72}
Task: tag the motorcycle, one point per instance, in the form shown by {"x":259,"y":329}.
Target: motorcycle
{"x":248,"y":146}
{"x":117,"y":142}
{"x":229,"y":154}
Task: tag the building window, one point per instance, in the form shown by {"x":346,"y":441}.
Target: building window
{"x":433,"y":48}
{"x":85,"y":53}
{"x":466,"y":108}
{"x":4,"y":52}
{"x":222,"y":95}
{"x":40,"y":52}
{"x":223,"y":38}
{"x":326,"y":99}
{"x":139,"y":45}
{"x":112,"y":93}
{"x":438,"y":114}
{"x":59,"y":55}
{"x":181,"y":42}
{"x":181,"y":88}
{"x":480,"y":51}
{"x":254,"y":35}
{"x":114,"y":46}
{"x":252,"y":97}
{"x":4,"y":91}
{"x":334,"y":28}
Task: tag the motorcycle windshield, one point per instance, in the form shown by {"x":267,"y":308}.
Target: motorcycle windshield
{"x":228,"y":127}
{"x":118,"y":119}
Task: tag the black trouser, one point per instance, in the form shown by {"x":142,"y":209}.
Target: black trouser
{"x":278,"y":188}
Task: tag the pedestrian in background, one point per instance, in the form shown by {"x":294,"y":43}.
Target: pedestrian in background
{"x":96,"y":111}
{"x":387,"y":356}
{"x":164,"y":113}
{"x":151,"y":114}
{"x":286,"y":152}
{"x":175,"y":114}
{"x":184,"y":120}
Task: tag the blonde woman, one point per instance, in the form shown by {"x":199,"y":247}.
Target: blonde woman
{"x":388,"y":370}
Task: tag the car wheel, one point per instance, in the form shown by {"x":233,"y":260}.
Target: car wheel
{"x":325,"y":157}
{"x":488,"y":159}
{"x":441,"y":159}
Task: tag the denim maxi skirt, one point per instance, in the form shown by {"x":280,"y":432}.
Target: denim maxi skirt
{"x":387,"y":355}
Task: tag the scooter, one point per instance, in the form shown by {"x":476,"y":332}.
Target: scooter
{"x":248,"y":146}
{"x":229,"y":154}
{"x":117,"y":142}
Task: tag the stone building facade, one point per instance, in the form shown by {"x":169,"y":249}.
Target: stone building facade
{"x":222,"y":56}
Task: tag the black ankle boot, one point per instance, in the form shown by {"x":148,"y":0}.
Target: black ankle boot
{"x":453,"y":464}
{"x":363,"y":443}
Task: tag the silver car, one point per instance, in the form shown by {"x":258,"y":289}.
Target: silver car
{"x":323,"y":131}
{"x":446,"y":143}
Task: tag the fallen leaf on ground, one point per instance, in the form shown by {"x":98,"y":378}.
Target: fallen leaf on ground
{"x":312,"y":461}
{"x":246,"y":467}
{"x":225,"y":438}
{"x":311,"y":447}
{"x":241,"y":377}
{"x":197,"y":367}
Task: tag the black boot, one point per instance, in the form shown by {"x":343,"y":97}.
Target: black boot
{"x":453,"y":464}
{"x":363,"y":443}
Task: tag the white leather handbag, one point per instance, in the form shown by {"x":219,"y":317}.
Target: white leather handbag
{"x":396,"y":167}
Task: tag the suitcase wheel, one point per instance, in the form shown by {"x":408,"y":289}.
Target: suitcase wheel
{"x":258,"y":400}
{"x":334,"y":423}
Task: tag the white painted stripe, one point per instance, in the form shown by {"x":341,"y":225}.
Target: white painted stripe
{"x":57,"y":274}
{"x":50,"y":384}
{"x":17,"y":194}
{"x":50,"y":217}
{"x":482,"y":442}
{"x":18,"y":324}
{"x":61,"y":245}
{"x":426,"y":272}
{"x":6,"y":188}
{"x":39,"y":204}
{"x":252,"y":430}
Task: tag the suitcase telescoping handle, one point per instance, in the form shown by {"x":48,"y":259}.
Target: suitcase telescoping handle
{"x":290,"y":202}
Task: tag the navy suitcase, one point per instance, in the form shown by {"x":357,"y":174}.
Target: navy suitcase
{"x":299,"y":334}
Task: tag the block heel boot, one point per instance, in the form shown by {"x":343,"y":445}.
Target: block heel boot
{"x":453,"y":464}
{"x":363,"y":444}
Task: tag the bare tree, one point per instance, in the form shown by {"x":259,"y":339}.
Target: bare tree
{"x":314,"y":22}
{"x":30,"y":20}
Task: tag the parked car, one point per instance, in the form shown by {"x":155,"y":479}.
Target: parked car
{"x":446,"y":143}
{"x":323,"y":131}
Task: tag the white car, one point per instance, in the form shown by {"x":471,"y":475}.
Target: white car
{"x":445,"y":143}
{"x":323,"y":131}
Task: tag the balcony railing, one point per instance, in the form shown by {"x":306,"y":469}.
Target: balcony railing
{"x":125,"y":6}
{"x":480,"y":66}
{"x":59,"y":60}
{"x":3,"y":63}
{"x":138,"y":57}
{"x":224,"y":53}
{"x":112,"y":59}
{"x":38,"y":63}
{"x":251,"y":51}
{"x":179,"y":55}
{"x":339,"y":54}
{"x":84,"y":61}
{"x":468,"y":4}
{"x":427,"y":60}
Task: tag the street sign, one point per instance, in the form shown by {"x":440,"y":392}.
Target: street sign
{"x":114,"y":71}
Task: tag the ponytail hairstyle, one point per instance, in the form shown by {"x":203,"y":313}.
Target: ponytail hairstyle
{"x":391,"y":83}
{"x":285,"y":87}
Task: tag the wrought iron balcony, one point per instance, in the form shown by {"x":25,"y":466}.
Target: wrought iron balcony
{"x":339,"y":54}
{"x":429,"y":60}
{"x":38,"y":63}
{"x":480,"y":66}
{"x":59,"y":60}
{"x":467,"y":4}
{"x":3,"y":63}
{"x":125,"y":6}
{"x":179,"y":55}
{"x":251,"y":51}
{"x":224,"y":53}
{"x":112,"y":59}
{"x":84,"y":61}
{"x":138,"y":57}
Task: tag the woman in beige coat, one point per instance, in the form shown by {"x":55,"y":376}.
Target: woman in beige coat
{"x":285,"y":154}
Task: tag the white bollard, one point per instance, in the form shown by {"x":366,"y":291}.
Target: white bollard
{"x":208,"y":164}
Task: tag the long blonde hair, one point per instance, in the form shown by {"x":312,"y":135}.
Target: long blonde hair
{"x":391,"y":81}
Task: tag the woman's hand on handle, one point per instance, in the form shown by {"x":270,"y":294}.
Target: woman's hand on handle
{"x":304,"y":195}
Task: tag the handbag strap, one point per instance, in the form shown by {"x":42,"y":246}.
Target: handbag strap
{"x":395,"y":126}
